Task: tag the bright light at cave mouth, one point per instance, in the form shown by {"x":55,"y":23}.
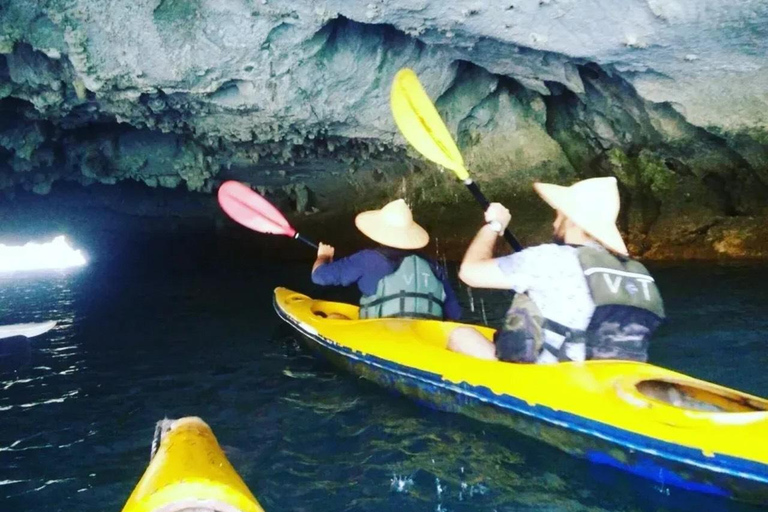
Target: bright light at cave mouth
{"x":56,"y":254}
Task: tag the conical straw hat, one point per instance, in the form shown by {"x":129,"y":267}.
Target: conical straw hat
{"x":591,"y":204}
{"x":392,"y":226}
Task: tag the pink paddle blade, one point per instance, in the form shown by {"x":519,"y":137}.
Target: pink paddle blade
{"x":251,"y":210}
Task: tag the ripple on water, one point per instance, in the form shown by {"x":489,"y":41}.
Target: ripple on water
{"x":75,"y":425}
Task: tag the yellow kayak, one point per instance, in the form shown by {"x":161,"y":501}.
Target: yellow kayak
{"x":189,"y":471}
{"x":649,"y":421}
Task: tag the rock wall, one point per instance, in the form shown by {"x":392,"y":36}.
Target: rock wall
{"x":292,"y":97}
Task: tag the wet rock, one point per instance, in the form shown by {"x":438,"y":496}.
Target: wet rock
{"x":302,"y":197}
{"x":299,"y":194}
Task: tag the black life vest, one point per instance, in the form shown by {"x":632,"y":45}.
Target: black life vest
{"x":628,"y":309}
{"x":628,"y":306}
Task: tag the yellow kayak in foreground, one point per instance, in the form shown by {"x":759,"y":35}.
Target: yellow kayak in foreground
{"x":189,"y":471}
{"x":643,"y":419}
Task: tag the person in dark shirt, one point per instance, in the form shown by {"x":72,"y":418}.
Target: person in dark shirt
{"x":395,"y":279}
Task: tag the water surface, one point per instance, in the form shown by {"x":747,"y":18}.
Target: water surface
{"x":134,"y":347}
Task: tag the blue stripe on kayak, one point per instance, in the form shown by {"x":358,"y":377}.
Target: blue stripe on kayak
{"x":725,"y":464}
{"x":646,"y":468}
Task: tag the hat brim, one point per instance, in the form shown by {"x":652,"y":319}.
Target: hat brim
{"x":410,"y":237}
{"x":562,"y":199}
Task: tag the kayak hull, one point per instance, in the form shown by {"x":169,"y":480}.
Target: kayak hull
{"x":671,"y":464}
{"x":189,"y":471}
{"x":567,"y":437}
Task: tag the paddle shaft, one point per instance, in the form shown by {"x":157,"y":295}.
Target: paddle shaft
{"x":480,"y":197}
{"x":302,"y":238}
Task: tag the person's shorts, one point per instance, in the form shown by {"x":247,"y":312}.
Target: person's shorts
{"x":515,"y":347}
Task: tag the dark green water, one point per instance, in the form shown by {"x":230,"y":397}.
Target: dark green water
{"x":132,"y":348}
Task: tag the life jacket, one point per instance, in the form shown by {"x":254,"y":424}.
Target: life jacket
{"x":628,"y":309}
{"x":412,"y":291}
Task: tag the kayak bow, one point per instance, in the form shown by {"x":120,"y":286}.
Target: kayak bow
{"x":189,"y":471}
{"x":640,"y":418}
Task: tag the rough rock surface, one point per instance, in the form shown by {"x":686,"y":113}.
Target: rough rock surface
{"x":292,"y":96}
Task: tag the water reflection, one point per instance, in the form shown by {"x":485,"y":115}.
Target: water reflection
{"x":76,"y":422}
{"x":15,"y":353}
{"x":43,"y":381}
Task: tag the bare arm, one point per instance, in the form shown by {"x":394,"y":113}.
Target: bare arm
{"x":478,"y":268}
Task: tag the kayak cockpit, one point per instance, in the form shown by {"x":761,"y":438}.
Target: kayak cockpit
{"x":334,"y":310}
{"x":691,"y":396}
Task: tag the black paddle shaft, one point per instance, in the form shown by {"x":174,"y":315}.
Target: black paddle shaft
{"x":302,"y":238}
{"x":480,"y":197}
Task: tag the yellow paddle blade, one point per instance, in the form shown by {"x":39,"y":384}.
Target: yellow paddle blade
{"x":421,"y":125}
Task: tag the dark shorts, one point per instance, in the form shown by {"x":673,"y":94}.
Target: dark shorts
{"x":515,"y":347}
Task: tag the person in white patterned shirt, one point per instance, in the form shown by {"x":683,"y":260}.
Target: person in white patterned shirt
{"x":578,"y":298}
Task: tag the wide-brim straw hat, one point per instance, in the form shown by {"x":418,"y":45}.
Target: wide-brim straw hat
{"x":591,"y":204}
{"x":392,"y":226}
